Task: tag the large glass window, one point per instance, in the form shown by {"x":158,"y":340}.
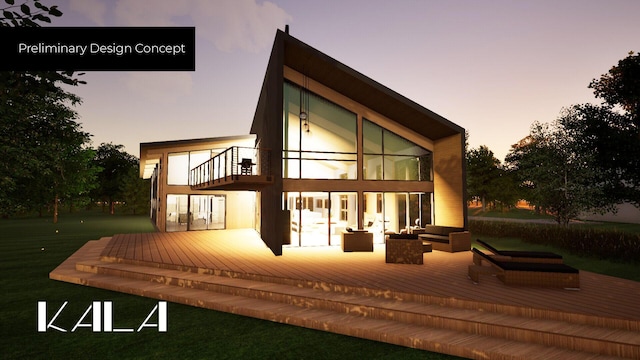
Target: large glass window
{"x":388,"y":156}
{"x":177,"y":212}
{"x":180,"y":165}
{"x":198,"y":157}
{"x":320,"y":137}
{"x":394,"y":212}
{"x":178,"y":169}
{"x":208,"y":212}
{"x":320,"y":218}
{"x":195,"y":212}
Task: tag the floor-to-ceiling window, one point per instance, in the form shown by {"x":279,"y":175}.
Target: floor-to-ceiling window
{"x":208,"y":212}
{"x":320,"y":142}
{"x":177,"y":212}
{"x":195,"y":212}
{"x":320,"y":137}
{"x":392,"y":212}
{"x":320,"y":218}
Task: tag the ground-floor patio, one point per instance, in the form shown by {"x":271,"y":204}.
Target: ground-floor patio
{"x":432,"y":302}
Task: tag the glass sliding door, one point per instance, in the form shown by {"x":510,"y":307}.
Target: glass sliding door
{"x":208,"y":212}
{"x":319,"y":218}
{"x":344,"y":214}
{"x":394,"y":212}
{"x":200,"y":209}
{"x":218,"y":214}
{"x":419,"y":209}
{"x":309,"y":218}
{"x":177,"y":212}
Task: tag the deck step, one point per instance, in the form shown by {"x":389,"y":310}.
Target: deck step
{"x":540,"y":331}
{"x":410,"y":335}
{"x":473,"y":333}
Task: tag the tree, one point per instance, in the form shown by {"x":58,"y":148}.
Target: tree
{"x":554,"y":171}
{"x":482,"y":171}
{"x":135,"y":191}
{"x":42,"y":148}
{"x":612,"y":142}
{"x":116,"y":165}
{"x":45,"y":153}
{"x":73,"y":174}
{"x":617,"y":135}
{"x":621,"y":86}
{"x":588,"y":159}
{"x":12,"y":83}
{"x":27,"y":17}
{"x":506,"y":192}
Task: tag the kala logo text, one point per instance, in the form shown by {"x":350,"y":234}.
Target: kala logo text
{"x":101,"y":319}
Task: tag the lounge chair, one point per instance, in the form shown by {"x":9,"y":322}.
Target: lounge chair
{"x":525,"y":274}
{"x":523,"y":256}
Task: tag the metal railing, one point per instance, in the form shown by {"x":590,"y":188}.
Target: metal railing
{"x":235,"y":161}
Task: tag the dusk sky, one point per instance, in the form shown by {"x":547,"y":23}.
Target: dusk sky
{"x":493,"y":67}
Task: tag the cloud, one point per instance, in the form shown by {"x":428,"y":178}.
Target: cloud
{"x":228,"y":24}
{"x":151,"y":13}
{"x":95,"y":10}
{"x":161,"y":87}
{"x":244,"y":25}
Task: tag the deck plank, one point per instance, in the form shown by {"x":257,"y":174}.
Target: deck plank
{"x":387,"y":297}
{"x":442,"y":275}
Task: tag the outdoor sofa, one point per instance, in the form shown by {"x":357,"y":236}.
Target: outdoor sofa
{"x":446,"y":238}
{"x":522,"y":256}
{"x":524,"y":273}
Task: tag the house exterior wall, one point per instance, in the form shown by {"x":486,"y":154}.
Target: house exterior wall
{"x":449,"y":182}
{"x":237,"y":203}
{"x":267,"y":126}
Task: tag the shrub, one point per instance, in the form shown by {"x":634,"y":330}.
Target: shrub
{"x":602,"y":244}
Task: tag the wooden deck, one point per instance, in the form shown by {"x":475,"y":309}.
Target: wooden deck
{"x":605,"y":306}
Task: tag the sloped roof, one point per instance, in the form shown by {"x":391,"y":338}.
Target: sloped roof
{"x":351,"y":83}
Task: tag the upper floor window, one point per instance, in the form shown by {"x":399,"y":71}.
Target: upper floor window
{"x":178,"y":169}
{"x":180,"y":164}
{"x":319,"y":139}
{"x":388,"y":156}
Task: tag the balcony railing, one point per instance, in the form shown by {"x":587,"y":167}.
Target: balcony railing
{"x":235,"y":162}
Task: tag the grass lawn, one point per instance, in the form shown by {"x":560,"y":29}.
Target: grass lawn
{"x":526,"y":214}
{"x":193,"y":333}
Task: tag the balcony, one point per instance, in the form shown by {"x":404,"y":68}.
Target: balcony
{"x":237,"y":168}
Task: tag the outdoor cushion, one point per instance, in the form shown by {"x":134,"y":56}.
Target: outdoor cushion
{"x":404,"y":236}
{"x":436,"y":238}
{"x":441,"y":230}
{"x":513,"y":253}
{"x":525,"y":266}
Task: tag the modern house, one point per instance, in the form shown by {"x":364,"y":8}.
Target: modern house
{"x":175,"y":206}
{"x":330,"y":149}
